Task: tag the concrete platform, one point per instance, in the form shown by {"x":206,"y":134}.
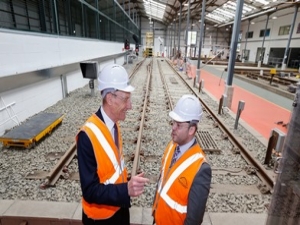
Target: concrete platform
{"x":237,"y":219}
{"x":263,"y":109}
{"x":67,"y":213}
{"x":143,"y":216}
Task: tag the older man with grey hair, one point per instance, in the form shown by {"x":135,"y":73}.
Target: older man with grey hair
{"x":103,"y":176}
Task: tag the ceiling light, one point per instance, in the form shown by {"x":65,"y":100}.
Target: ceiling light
{"x":249,"y":17}
{"x":262,"y":2}
{"x":252,"y":22}
{"x":154,"y":9}
{"x":274,"y":17}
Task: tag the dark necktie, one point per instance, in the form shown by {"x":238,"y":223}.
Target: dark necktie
{"x":116,"y":135}
{"x":175,"y":155}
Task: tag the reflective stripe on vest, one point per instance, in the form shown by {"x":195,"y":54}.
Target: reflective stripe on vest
{"x":163,"y":167}
{"x":163,"y":193}
{"x":109,"y":151}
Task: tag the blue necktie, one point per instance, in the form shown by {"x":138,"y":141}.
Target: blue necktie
{"x":116,"y":135}
{"x":175,"y":155}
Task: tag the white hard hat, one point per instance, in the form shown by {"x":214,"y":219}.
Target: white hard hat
{"x":187,"y":109}
{"x":114,"y":76}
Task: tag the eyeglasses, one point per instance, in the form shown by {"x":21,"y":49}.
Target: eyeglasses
{"x":123,"y":99}
{"x":180,"y":125}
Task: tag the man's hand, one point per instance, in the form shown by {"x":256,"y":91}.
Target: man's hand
{"x":136,"y":185}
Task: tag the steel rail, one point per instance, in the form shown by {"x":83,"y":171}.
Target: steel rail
{"x":136,"y":68}
{"x":136,"y":160}
{"x":53,"y":176}
{"x":165,"y":85}
{"x":261,"y":171}
{"x":57,"y":171}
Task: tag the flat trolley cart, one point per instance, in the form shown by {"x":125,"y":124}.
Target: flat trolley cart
{"x":30,"y":132}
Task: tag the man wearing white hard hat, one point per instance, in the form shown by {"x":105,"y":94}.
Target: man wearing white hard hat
{"x":185,"y":176}
{"x":103,"y":176}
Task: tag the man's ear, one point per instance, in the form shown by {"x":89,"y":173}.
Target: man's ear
{"x":109,"y":97}
{"x":192,"y":130}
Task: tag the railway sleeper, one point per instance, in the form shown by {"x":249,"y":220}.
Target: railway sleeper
{"x":236,"y":150}
{"x":264,"y":189}
{"x":250,"y":170}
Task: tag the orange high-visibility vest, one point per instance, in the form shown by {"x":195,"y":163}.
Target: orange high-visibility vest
{"x":170,"y":204}
{"x":110,"y":164}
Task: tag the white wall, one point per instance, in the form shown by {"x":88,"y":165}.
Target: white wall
{"x":274,"y":40}
{"x":29,"y":100}
{"x":22,"y":52}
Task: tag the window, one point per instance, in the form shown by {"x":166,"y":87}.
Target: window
{"x":192,"y":37}
{"x":262,"y":32}
{"x":249,"y":34}
{"x":284,"y":30}
{"x":298,"y":29}
{"x":69,"y":18}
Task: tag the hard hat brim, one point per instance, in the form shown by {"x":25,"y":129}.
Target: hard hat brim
{"x":175,"y":117}
{"x":129,"y":88}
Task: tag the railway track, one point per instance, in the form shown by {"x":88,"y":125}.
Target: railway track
{"x":248,"y":166}
{"x":264,"y":175}
{"x":140,"y":157}
{"x":240,"y":182}
{"x":60,"y":170}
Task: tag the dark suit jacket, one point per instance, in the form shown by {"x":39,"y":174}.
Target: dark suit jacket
{"x":92,"y":190}
{"x":198,"y":196}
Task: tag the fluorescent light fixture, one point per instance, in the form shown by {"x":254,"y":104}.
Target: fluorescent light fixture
{"x":213,"y":20}
{"x":226,"y":12}
{"x":251,"y":16}
{"x":154,"y":9}
{"x":262,"y":2}
{"x":215,"y":17}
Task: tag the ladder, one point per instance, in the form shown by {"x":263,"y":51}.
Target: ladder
{"x":10,"y":111}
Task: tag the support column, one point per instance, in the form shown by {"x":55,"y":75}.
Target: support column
{"x":246,"y":40}
{"x":262,"y":52}
{"x":233,"y":47}
{"x":200,"y":41}
{"x":285,"y":58}
{"x":187,"y":30}
{"x":285,"y":202}
{"x":229,"y":89}
{"x":179,"y":31}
